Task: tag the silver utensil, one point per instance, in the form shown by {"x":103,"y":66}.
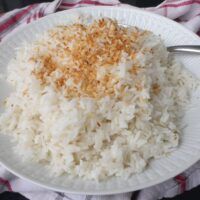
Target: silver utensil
{"x":195,"y":49}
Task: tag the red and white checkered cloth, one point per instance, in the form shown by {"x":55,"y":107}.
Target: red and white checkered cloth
{"x":187,"y":12}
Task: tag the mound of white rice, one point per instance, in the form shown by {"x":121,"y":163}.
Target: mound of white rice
{"x":95,"y":100}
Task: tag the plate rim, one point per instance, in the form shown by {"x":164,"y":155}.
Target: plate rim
{"x":99,"y":192}
{"x":146,"y":12}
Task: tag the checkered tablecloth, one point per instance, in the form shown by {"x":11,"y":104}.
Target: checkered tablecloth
{"x":186,"y":12}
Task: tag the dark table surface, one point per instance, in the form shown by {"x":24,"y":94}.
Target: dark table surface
{"x":7,"y":5}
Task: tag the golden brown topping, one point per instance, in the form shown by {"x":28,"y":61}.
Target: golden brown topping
{"x":81,"y":51}
{"x":156,"y":88}
{"x":134,"y":70}
{"x":49,"y":66}
{"x":138,"y":87}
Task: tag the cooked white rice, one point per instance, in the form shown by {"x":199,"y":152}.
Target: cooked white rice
{"x":113,"y":126}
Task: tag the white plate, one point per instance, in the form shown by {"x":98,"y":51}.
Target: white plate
{"x":159,"y":170}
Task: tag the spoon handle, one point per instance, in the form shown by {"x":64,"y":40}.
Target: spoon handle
{"x":185,"y":49}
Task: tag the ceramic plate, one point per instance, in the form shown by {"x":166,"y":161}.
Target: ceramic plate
{"x":159,"y":170}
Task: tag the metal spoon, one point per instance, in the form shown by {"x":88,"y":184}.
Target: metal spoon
{"x":194,"y":49}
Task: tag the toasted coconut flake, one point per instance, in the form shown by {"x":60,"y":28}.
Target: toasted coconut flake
{"x":93,"y":47}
